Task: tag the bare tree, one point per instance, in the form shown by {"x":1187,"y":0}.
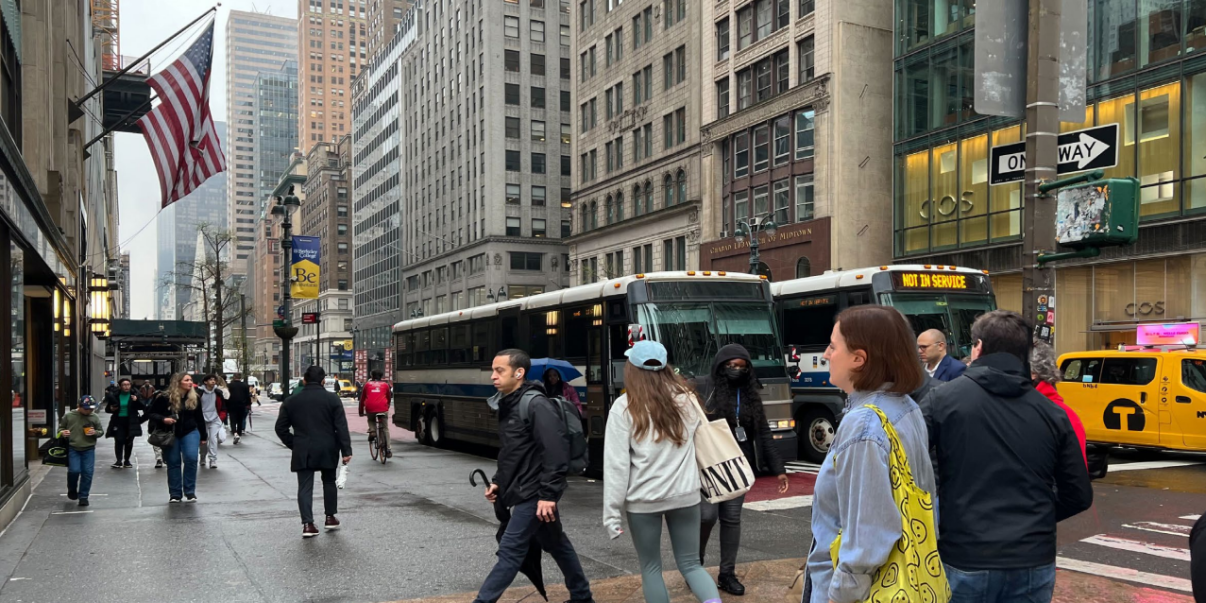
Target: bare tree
{"x":210,"y":271}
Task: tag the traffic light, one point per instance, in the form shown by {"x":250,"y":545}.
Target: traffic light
{"x":1100,"y":213}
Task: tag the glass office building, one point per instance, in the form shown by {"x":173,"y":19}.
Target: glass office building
{"x":1146,"y":73}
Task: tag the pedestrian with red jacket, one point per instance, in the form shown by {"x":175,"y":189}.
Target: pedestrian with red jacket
{"x":1045,"y":375}
{"x":375,"y":397}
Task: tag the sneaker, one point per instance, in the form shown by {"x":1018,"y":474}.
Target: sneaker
{"x":332,"y":523}
{"x":127,"y":465}
{"x":190,"y":498}
{"x":236,"y":438}
{"x":389,"y":454}
{"x":372,"y":437}
{"x":83,"y":502}
{"x":174,"y":499}
{"x":213,"y":464}
{"x":729,"y":584}
{"x":71,"y":493}
{"x":159,"y":464}
{"x":309,"y":531}
{"x":115,"y":466}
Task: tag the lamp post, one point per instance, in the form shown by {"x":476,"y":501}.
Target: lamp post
{"x":284,"y":327}
{"x":751,"y":229}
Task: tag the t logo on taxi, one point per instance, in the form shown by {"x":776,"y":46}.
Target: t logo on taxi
{"x":1116,"y":410}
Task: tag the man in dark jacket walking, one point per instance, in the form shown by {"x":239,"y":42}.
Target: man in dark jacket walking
{"x":532,"y":462}
{"x":320,"y":436}
{"x":238,"y":405}
{"x":1009,"y":469}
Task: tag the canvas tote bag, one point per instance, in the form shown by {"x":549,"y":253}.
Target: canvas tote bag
{"x":724,"y":472}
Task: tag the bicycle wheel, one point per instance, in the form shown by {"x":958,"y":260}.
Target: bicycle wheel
{"x":373,"y":448}
{"x":382,"y":443}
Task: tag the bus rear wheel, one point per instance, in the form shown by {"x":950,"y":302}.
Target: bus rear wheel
{"x":422,"y":426}
{"x":435,"y":428}
{"x":816,"y":429}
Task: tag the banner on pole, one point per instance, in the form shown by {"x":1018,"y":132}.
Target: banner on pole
{"x":305,"y":268}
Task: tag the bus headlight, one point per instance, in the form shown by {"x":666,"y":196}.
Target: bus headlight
{"x":783,"y":424}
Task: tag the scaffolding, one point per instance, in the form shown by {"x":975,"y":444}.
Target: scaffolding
{"x":106,"y":24}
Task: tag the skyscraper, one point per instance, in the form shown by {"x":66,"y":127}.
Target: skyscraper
{"x":275,"y":125}
{"x":176,"y":229}
{"x":255,"y":42}
{"x":384,"y":17}
{"x":334,"y":48}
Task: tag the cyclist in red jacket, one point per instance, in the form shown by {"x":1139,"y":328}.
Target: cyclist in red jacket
{"x":375,"y":397}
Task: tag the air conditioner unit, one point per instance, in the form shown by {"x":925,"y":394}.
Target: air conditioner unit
{"x":724,"y":234}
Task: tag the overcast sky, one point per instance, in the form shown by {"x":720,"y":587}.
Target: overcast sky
{"x":145,"y":23}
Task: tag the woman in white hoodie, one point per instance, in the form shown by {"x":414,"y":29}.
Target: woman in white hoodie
{"x":649,"y":471}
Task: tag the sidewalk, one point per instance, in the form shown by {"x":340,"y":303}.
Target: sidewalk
{"x":767,"y":581}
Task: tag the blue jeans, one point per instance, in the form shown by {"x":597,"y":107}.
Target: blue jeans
{"x":1029,"y":585}
{"x":80,"y":464}
{"x":525,"y":530}
{"x":184,"y":450}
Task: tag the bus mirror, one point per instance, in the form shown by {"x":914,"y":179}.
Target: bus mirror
{"x":793,"y":371}
{"x":636,"y":333}
{"x":795,"y":355}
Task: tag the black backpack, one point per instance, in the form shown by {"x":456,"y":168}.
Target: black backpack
{"x":575,"y":436}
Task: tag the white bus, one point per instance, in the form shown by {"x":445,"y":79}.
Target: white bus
{"x":442,"y":363}
{"x":947,"y":298}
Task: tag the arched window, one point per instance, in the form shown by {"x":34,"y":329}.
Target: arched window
{"x":668,"y":190}
{"x":765,"y":270}
{"x":584,"y":223}
{"x":611,"y":211}
{"x":636,"y":200}
{"x":682,"y":186}
{"x":594,"y":214}
{"x":803,"y":267}
{"x":619,"y":207}
{"x":648,"y":197}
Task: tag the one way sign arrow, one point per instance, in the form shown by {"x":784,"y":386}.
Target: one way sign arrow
{"x":1089,"y":149}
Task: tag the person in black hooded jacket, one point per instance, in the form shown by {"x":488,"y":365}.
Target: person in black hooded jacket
{"x":730,"y":391}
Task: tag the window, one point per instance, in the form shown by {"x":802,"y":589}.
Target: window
{"x":741,"y":155}
{"x":680,"y":120}
{"x":1128,"y":371}
{"x":674,"y":68}
{"x":341,"y":229}
{"x":511,"y":94}
{"x":722,"y":39}
{"x":636,"y":31}
{"x":803,"y":267}
{"x":537,"y":97}
{"x":741,"y":205}
{"x":668,"y":254}
{"x":619,"y":33}
{"x":782,"y":201}
{"x":565,"y":101}
{"x":511,"y":27}
{"x":477,"y":264}
{"x":762,"y":80}
{"x":513,"y":227}
{"x":675,"y":11}
{"x":566,"y":167}
{"x":538,"y":166}
{"x":526,"y":261}
{"x":745,"y":26}
{"x":805,"y":122}
{"x":513,"y":194}
{"x":1193,"y":374}
{"x":807,"y":7}
{"x":511,"y":127}
{"x":567,"y":230}
{"x":745,"y":88}
{"x":805,"y":55}
{"x":782,"y":13}
{"x":566,"y":69}
{"x":668,"y":191}
{"x":565,"y":35}
{"x":538,"y":196}
{"x":681,"y":184}
{"x":782,"y":72}
{"x":511,"y":60}
{"x":667,"y":130}
{"x":342,"y":247}
{"x":782,"y":139}
{"x":537,"y":131}
{"x":761,"y":200}
{"x":537,"y":31}
{"x":761,"y":148}
{"x":586,"y":12}
{"x":804,"y":208}
{"x":537,"y":64}
{"x":538,"y":228}
{"x":610,"y":54}
{"x":513,"y":161}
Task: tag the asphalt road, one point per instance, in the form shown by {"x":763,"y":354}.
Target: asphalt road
{"x":414,"y":527}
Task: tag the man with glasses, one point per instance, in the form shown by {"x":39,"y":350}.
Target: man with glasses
{"x":932,"y":347}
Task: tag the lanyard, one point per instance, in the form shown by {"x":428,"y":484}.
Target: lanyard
{"x":739,"y":405}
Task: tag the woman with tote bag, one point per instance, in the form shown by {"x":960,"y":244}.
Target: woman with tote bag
{"x":650,"y":471}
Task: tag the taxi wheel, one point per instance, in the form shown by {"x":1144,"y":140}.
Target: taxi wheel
{"x":816,"y":429}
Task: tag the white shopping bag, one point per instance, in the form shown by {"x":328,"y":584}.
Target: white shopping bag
{"x":221,"y":433}
{"x":341,"y":478}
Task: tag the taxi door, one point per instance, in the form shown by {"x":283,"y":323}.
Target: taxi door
{"x":1129,"y":393}
{"x":1186,"y":398}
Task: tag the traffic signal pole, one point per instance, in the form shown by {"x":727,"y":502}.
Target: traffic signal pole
{"x":1042,"y":132}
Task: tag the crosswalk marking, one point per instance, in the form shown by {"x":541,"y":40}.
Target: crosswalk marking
{"x":1134,"y":546}
{"x":1191,"y":517}
{"x":1124,"y":573}
{"x":802,"y":467}
{"x":1172,"y":529}
{"x":780,"y":504}
{"x":1151,"y":465}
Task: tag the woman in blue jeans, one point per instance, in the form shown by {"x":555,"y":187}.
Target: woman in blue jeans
{"x":649,"y":471}
{"x":179,"y":407}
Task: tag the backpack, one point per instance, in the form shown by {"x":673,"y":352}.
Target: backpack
{"x":575,"y":436}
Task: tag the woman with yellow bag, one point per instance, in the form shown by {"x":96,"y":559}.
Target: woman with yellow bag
{"x":873,"y":516}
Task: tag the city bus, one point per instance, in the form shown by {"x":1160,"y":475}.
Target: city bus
{"x":947,"y":298}
{"x":442,"y":363}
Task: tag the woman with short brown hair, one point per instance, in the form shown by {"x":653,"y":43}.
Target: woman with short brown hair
{"x":872,"y":357}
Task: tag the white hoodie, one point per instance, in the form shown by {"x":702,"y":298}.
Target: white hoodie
{"x":647,"y":476}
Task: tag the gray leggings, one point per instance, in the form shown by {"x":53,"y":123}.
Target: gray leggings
{"x":683,"y":525}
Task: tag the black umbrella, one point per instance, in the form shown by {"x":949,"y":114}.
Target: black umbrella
{"x":531,"y":564}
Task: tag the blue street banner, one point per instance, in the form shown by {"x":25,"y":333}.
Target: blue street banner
{"x":306,"y":253}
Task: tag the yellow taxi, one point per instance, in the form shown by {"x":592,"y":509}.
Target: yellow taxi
{"x":347,"y":389}
{"x":1151,"y":397}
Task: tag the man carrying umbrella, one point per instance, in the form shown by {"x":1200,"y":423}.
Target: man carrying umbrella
{"x":532,"y":462}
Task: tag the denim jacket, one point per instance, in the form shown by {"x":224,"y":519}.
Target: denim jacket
{"x":853,"y":494}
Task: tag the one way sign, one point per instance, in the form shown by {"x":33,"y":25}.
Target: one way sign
{"x":1089,"y":149}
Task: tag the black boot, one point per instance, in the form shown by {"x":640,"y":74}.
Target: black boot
{"x":729,"y":584}
{"x":73,"y":480}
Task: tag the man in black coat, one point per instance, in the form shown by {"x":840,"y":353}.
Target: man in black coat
{"x":318,"y":440}
{"x":238,"y":405}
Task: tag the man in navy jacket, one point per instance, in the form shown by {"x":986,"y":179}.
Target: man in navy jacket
{"x":932,"y":347}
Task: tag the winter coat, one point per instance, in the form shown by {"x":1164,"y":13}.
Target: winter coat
{"x":130,"y":426}
{"x":532,"y":455}
{"x":1049,"y":390}
{"x":187,"y":421}
{"x":759,"y":445}
{"x":320,"y":429}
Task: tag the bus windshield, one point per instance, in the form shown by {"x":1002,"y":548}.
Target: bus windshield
{"x":949,"y":313}
{"x":694,"y":331}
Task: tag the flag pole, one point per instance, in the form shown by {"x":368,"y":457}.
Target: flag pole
{"x":119,"y":123}
{"x":77,"y":112}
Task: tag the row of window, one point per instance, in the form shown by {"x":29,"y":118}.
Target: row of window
{"x":779,"y":200}
{"x":674,"y":191}
{"x":537,"y":195}
{"x":674,"y":133}
{"x":537,"y":165}
{"x":538,"y":130}
{"x":535,"y":30}
{"x":512,"y":96}
{"x":767,"y":78}
{"x":674,"y":257}
{"x":511,"y":63}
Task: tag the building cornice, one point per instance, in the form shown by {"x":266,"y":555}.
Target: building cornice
{"x":690,"y":208}
{"x":815,"y":93}
{"x":619,"y":179}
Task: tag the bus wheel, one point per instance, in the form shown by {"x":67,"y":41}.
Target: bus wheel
{"x":816,"y":430}
{"x":423,"y":426}
{"x":435,"y":428}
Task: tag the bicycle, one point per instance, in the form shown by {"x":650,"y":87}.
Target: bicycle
{"x":378,"y":446}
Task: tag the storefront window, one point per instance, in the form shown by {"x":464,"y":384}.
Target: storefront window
{"x":1113,"y":38}
{"x":1157,"y":127}
{"x":973,"y":190}
{"x":945,"y":78}
{"x":912,"y":190}
{"x":20,"y":398}
{"x":943,"y":206}
{"x":913,"y":101}
{"x":923,"y":21}
{"x":1008,"y":290}
{"x":1113,"y":292}
{"x":1074,"y":297}
{"x":1159,"y":25}
{"x":1195,"y":141}
{"x":1195,"y":25}
{"x":1006,"y":199}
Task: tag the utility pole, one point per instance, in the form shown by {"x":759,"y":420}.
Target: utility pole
{"x":1042,"y":132}
{"x":243,"y":351}
{"x":286,"y":331}
{"x":219,"y":313}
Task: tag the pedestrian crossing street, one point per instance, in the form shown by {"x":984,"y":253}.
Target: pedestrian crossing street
{"x":1160,"y":546}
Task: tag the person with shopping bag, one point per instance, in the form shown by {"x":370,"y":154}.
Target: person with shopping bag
{"x":213,"y":396}
{"x":650,"y":471}
{"x":877,"y":478}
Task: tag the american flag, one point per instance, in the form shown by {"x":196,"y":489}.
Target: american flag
{"x":180,"y":130}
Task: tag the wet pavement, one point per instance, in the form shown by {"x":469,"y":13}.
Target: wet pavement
{"x":415,"y":528}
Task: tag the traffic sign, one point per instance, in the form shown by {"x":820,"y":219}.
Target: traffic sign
{"x":1082,"y":150}
{"x":309,"y":318}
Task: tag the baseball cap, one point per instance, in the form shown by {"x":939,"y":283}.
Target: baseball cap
{"x":88,"y":403}
{"x":648,"y":355}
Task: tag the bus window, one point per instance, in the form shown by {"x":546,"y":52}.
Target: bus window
{"x":808,"y":322}
{"x":543,"y":339}
{"x":483,"y":341}
{"x":422,"y":345}
{"x":439,"y":346}
{"x":924,"y":312}
{"x":510,"y":332}
{"x":406,"y":343}
{"x":858,"y":298}
{"x":594,"y":357}
{"x":964,"y":312}
{"x":578,"y":321}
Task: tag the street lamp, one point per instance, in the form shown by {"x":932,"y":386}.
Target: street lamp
{"x":285,"y":206}
{"x":751,"y":229}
